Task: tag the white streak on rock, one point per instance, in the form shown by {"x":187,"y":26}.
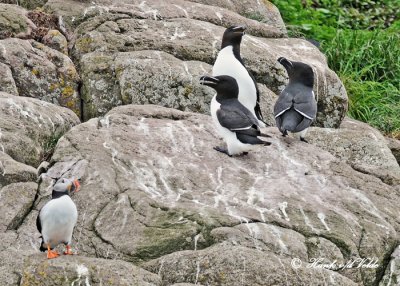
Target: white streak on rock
{"x":322,"y":217}
{"x":196,"y":239}
{"x":282,"y":207}
{"x":82,"y":271}
{"x":307,"y":220}
{"x":147,"y":10}
{"x":105,"y":121}
{"x":182,"y":9}
{"x":177,"y":35}
{"x":197,"y":271}
{"x":219,"y":15}
{"x":142,"y":126}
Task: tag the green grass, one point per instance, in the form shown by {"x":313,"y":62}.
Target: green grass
{"x":49,"y":146}
{"x":361,"y":40}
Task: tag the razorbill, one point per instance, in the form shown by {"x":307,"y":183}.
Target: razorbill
{"x":230,"y":63}
{"x":296,"y":107}
{"x":235,"y":123}
{"x":57,"y":218}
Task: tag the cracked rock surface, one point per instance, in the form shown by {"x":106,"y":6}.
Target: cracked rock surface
{"x":155,"y":194}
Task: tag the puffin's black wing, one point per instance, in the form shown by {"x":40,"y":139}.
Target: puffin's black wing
{"x":38,"y":223}
{"x":235,"y":117}
{"x":284,"y":102}
{"x":305,"y":104}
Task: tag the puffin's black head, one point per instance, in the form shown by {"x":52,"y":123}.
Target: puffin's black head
{"x":225,"y":85}
{"x":233,"y":36}
{"x":65,"y":187}
{"x":298,"y":72}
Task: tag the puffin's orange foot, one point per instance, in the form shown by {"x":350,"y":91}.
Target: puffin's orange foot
{"x":52,"y":254}
{"x":68,"y":250}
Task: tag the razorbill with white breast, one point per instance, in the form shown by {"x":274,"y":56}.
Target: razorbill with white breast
{"x":57,"y":219}
{"x":234,"y":122}
{"x":296,"y":107}
{"x":229,"y":62}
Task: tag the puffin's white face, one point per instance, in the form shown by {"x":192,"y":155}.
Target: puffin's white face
{"x":66,"y":186}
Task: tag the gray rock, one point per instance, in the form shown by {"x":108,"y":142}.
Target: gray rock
{"x":392,"y":274}
{"x":321,"y":248}
{"x":29,"y":128}
{"x":271,"y":25}
{"x":41,"y":72}
{"x":361,"y":146}
{"x":14,"y":22}
{"x":152,"y":185}
{"x":265,"y":237}
{"x":28,"y":4}
{"x":143,"y":77}
{"x":263,"y":11}
{"x":222,"y":265}
{"x":57,"y":41}
{"x":394,"y":146}
{"x":7,"y":83}
{"x":13,"y":171}
{"x":16,"y":202}
{"x":185,"y":284}
{"x":69,"y":270}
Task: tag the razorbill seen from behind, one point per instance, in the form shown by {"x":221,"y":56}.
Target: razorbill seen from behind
{"x":57,"y":219}
{"x":229,"y":62}
{"x":234,"y":122}
{"x":296,"y":107}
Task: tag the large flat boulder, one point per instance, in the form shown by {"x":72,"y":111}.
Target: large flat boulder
{"x":152,"y":187}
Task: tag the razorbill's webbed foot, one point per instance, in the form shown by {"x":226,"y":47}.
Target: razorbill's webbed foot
{"x":222,"y":150}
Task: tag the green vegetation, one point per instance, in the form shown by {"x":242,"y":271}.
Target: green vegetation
{"x":49,"y":146}
{"x":361,"y":40}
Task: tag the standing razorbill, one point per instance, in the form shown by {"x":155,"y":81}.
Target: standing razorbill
{"x":230,"y":63}
{"x":235,"y":123}
{"x":57,"y":218}
{"x":296,"y":107}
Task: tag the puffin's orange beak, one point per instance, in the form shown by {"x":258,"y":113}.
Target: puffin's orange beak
{"x":77,"y":186}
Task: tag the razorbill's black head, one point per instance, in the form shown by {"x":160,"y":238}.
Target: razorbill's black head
{"x":296,"y":107}
{"x":225,"y":85}
{"x":234,"y":122}
{"x":233,"y":36}
{"x":298,"y":72}
{"x":57,"y":218}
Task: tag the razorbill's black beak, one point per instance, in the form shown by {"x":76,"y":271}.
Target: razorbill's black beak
{"x":285,"y":62}
{"x":239,"y":29}
{"x":209,"y":81}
